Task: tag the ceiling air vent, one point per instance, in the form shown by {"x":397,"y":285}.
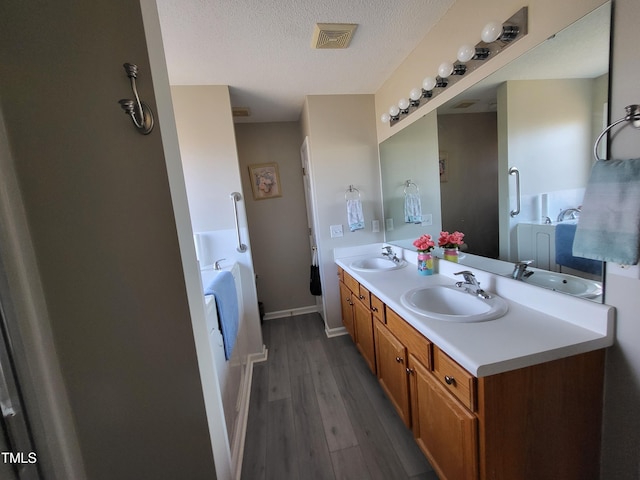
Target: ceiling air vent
{"x":240,"y":112}
{"x":466,"y":103}
{"x":333,"y":35}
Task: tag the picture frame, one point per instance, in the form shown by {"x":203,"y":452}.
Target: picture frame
{"x":265,"y":181}
{"x":443,"y":165}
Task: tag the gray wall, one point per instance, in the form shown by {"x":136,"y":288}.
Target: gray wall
{"x":470,"y":194}
{"x":98,"y":206}
{"x":277,"y":226}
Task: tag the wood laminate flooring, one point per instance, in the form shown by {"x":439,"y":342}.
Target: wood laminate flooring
{"x":317,"y":412}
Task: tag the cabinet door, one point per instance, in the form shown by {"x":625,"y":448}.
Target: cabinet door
{"x":346,"y":305}
{"x":446,"y":431}
{"x":392,"y":370}
{"x":364,"y":333}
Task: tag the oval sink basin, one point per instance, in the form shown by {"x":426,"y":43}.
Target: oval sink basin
{"x":561,"y":282}
{"x":377,"y":264}
{"x":453,"y":304}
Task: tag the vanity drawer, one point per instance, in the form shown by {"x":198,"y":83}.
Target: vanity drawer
{"x":377,"y":308}
{"x":417,"y":344}
{"x":340,"y":274}
{"x":364,"y":296}
{"x":454,"y":378}
{"x":351,"y":283}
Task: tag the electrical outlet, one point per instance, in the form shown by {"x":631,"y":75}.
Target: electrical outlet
{"x":336,"y":231}
{"x":427,"y":220}
{"x":375,"y":226}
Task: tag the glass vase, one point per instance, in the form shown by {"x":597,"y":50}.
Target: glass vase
{"x":451,"y":254}
{"x":425,"y":263}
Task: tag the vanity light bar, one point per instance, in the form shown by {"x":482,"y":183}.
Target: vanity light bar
{"x":496,"y":37}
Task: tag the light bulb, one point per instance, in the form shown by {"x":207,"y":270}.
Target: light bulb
{"x":384,"y":118}
{"x":491,"y":32}
{"x":403,"y":103}
{"x":466,"y":53}
{"x":415,"y":94}
{"x":445,"y":69}
{"x":394,"y":111}
{"x":429,"y":83}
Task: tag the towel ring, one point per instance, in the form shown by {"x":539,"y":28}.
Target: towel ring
{"x":408,"y":184}
{"x":633,"y":116}
{"x":350,"y":191}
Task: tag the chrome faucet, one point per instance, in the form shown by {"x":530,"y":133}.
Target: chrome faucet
{"x":520,"y":270}
{"x":390,"y":254}
{"x":571,"y":213}
{"x":216,"y":265}
{"x":471,"y":284}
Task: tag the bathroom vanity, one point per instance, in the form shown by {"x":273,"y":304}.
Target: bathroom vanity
{"x":518,"y":397}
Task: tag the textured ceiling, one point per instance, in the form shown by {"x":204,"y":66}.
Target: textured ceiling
{"x":262,"y":49}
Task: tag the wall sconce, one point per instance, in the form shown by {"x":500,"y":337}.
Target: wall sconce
{"x":495,"y":37}
{"x":140,"y":112}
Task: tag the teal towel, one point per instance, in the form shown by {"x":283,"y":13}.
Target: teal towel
{"x":412,"y":208}
{"x":355,"y":219}
{"x":609,"y":224}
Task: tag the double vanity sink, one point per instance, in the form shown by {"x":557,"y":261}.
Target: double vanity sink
{"x":480,"y":366}
{"x":516,"y":326}
{"x":449,"y":303}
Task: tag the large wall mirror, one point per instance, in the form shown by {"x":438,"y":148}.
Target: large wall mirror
{"x":540,"y":114}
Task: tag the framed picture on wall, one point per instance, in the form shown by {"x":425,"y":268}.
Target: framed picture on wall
{"x":443,"y":163}
{"x":265,"y":181}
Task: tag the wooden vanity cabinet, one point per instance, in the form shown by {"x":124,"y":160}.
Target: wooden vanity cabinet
{"x":391,"y":357}
{"x":444,"y":429}
{"x":357,"y":316}
{"x":542,"y":421}
{"x":346,"y":306}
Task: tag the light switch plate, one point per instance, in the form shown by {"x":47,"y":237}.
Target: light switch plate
{"x":336,"y":231}
{"x":375,"y":226}
{"x":427,"y":220}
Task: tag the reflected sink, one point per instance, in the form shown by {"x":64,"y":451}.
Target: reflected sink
{"x":453,"y":304}
{"x":561,"y":282}
{"x":377,"y":264}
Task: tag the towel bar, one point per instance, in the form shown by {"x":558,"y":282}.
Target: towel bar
{"x":633,"y":116}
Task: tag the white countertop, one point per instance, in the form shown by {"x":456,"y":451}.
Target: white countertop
{"x":540,"y":325}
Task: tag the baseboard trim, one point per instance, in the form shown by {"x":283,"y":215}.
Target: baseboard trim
{"x":335,"y":332}
{"x":291,"y":312}
{"x":237,"y":451}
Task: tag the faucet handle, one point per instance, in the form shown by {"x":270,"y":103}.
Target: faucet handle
{"x":464,"y":273}
{"x":524,"y":263}
{"x":388,"y":249}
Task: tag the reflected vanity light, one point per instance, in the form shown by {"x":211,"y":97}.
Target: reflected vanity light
{"x":495,"y":37}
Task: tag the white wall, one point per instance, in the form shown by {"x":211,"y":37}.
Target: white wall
{"x":621,"y":436}
{"x":343,"y":151}
{"x":412,"y":154}
{"x":545,"y":131}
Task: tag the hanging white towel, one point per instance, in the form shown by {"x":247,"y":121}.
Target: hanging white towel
{"x":355,"y":218}
{"x":609,"y":224}
{"x":412,"y":208}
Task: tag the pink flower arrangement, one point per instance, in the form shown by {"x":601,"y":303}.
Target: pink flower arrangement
{"x":424,"y":243}
{"x":450,"y":240}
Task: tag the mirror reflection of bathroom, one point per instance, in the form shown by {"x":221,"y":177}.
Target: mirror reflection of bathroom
{"x":540,"y":114}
